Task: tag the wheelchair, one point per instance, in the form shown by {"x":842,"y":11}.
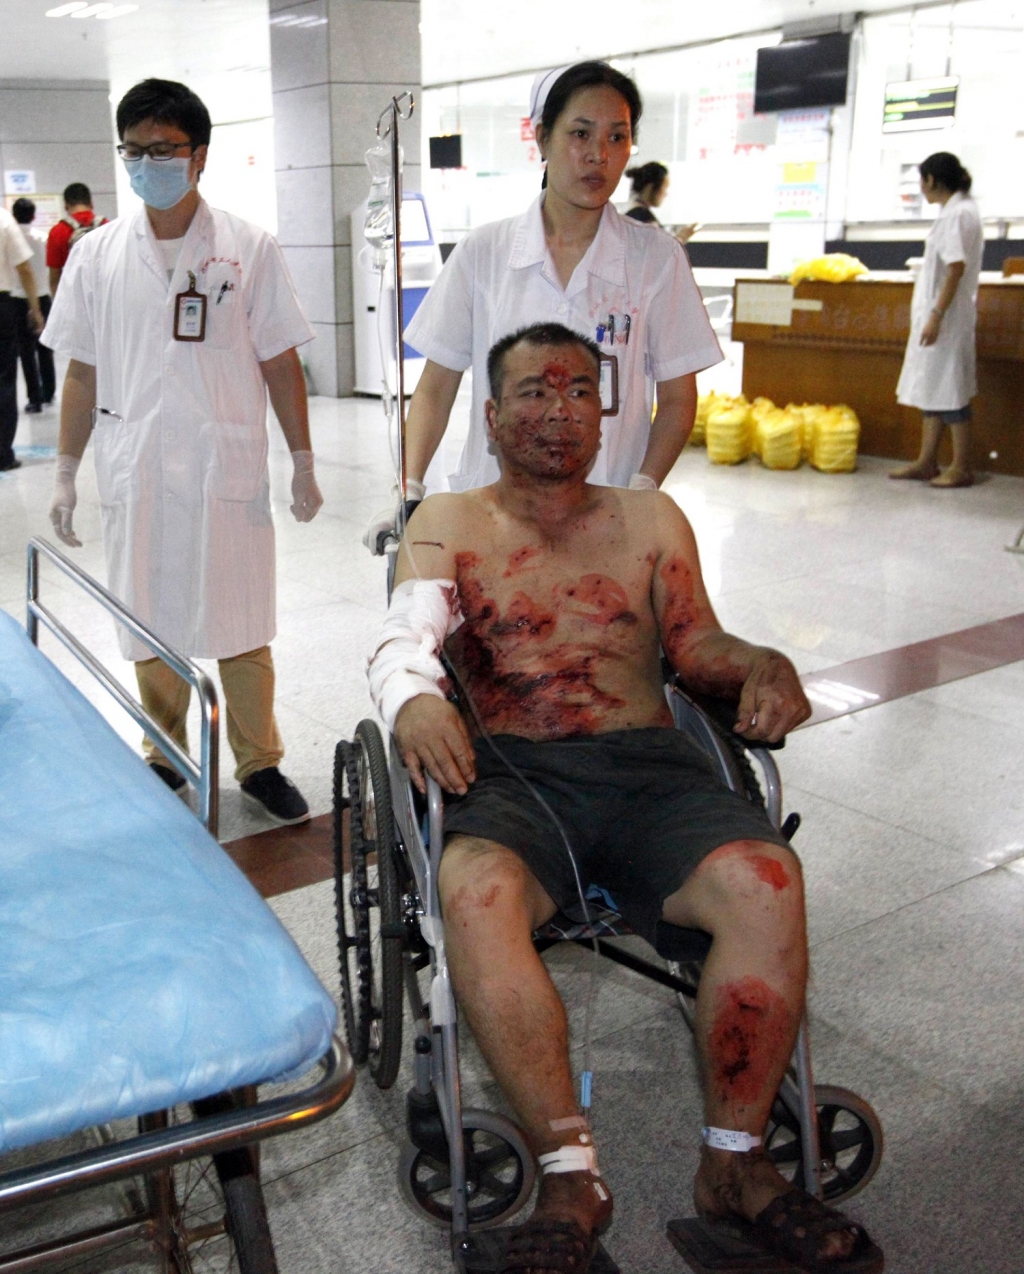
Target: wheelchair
{"x":823,"y":1138}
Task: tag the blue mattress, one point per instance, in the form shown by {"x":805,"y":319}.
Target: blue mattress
{"x":138,"y":966}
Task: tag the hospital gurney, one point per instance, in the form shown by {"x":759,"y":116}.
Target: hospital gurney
{"x":141,"y":977}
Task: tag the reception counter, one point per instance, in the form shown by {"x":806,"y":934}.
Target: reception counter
{"x":844,"y":343}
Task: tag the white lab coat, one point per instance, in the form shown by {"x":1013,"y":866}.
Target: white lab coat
{"x":182,"y":478}
{"x":943,"y":376}
{"x":501,"y":277}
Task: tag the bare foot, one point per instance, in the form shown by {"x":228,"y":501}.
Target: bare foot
{"x":917,"y":472}
{"x":731,"y":1185}
{"x":953,"y":478}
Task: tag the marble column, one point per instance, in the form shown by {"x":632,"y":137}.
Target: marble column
{"x":335,"y":65}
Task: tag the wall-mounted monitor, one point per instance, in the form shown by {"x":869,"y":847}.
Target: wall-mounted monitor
{"x":802,"y":73}
{"x":911,"y":105}
{"x":446,"y":151}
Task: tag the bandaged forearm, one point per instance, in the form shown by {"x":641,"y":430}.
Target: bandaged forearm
{"x":407,"y":663}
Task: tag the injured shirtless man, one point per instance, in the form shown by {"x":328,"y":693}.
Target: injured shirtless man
{"x":555,"y":600}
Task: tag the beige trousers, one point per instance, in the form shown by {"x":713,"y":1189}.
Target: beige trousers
{"x":248,"y":682}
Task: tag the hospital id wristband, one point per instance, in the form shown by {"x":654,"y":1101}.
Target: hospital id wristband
{"x":728,"y":1139}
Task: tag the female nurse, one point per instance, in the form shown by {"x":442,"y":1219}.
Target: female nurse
{"x":570,"y":258}
{"x":648,"y":191}
{"x":938,"y":373}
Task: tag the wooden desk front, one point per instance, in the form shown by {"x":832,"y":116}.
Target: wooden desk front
{"x":851,"y":351}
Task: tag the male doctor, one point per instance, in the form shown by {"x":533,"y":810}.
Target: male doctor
{"x":177,"y":322}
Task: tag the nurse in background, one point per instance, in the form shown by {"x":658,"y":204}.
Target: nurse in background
{"x":178,"y":321}
{"x":569,"y":258}
{"x":650,"y":184}
{"x":938,"y":373}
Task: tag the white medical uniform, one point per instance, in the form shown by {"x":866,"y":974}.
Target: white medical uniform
{"x":943,"y":377}
{"x":501,"y":277}
{"x":182,"y":477}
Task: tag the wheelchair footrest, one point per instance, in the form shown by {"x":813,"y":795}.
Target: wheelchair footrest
{"x":486,"y":1252}
{"x":709,"y":1251}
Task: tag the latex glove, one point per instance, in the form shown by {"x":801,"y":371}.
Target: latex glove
{"x":642,"y":482}
{"x":306,"y":495}
{"x":384,"y":523}
{"x":65,"y":497}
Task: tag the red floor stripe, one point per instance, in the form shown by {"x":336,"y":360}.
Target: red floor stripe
{"x":893,"y":674}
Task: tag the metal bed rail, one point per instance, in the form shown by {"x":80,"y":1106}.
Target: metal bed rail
{"x":205,"y":776}
{"x":150,"y":1152}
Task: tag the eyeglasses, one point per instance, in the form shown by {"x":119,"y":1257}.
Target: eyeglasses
{"x":131,"y":154}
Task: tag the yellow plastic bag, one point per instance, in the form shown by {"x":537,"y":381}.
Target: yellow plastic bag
{"x":778,"y":436}
{"x":730,"y":433}
{"x":806,"y":414}
{"x":835,"y":438}
{"x":834,"y":267}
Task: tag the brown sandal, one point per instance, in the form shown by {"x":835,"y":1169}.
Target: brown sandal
{"x":545,"y":1246}
{"x":793,"y":1226}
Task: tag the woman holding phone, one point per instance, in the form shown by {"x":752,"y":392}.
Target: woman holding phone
{"x":570,"y":258}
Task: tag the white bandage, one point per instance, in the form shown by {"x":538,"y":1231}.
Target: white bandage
{"x":570,"y":1159}
{"x":728,"y":1139}
{"x":642,"y":482}
{"x":423,"y":613}
{"x":578,"y":1157}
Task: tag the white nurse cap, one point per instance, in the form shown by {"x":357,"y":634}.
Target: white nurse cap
{"x":539,"y":93}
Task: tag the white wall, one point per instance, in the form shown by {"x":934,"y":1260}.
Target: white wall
{"x":61,"y":131}
{"x":698,"y":120}
{"x":227,"y":62}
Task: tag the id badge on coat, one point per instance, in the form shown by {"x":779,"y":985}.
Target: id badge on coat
{"x":190,"y":313}
{"x":609,"y":385}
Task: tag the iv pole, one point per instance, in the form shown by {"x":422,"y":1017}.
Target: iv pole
{"x":399,"y":108}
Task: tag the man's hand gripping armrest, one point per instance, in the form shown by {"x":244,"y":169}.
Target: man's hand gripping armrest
{"x":432,"y":738}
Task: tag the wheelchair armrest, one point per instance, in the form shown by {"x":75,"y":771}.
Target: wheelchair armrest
{"x":722,"y":712}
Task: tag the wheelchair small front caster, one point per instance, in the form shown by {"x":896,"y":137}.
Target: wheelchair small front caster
{"x":500,"y":1172}
{"x":851,"y":1142}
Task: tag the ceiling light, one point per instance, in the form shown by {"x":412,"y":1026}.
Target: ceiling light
{"x":62,"y":10}
{"x":92,"y":10}
{"x":116,"y":11}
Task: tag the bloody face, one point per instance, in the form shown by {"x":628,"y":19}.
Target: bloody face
{"x":588,"y":146}
{"x":547,"y":423}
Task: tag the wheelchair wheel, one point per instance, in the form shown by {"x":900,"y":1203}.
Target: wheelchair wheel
{"x":371,"y":930}
{"x":851,"y":1142}
{"x":500,"y":1172}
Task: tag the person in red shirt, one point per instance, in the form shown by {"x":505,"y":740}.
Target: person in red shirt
{"x":78,"y":211}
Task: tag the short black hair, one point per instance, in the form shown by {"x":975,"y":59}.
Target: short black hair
{"x":537,"y":334}
{"x":590,"y":75}
{"x":23,"y":210}
{"x":165,"y":102}
{"x":649,"y":176}
{"x":946,"y":171}
{"x":78,"y":193}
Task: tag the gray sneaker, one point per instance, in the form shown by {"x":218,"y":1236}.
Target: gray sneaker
{"x":276,"y":796}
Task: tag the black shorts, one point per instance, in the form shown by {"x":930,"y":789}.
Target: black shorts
{"x":641,"y":809}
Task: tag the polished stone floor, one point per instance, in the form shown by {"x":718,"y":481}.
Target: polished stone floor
{"x":912,"y":841}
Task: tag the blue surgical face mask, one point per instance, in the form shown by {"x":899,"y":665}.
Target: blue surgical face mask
{"x":161,"y":183}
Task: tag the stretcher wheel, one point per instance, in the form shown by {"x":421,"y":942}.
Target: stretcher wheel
{"x":500,"y":1172}
{"x":851,"y":1142}
{"x":210,"y":1214}
{"x":371,"y":931}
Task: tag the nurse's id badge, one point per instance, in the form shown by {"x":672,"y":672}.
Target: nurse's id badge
{"x":190,"y":313}
{"x":609,"y":385}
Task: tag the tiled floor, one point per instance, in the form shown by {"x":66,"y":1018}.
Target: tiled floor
{"x":913,"y":844}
